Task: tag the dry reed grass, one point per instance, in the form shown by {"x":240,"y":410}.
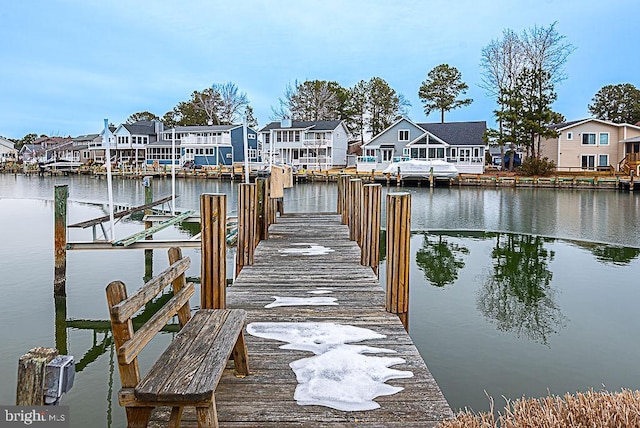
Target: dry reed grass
{"x":590,"y":409}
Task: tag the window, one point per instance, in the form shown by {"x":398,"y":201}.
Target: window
{"x":569,"y":135}
{"x":252,"y":153}
{"x":603,"y":160}
{"x":588,"y":139}
{"x":251,"y":136}
{"x":403,"y":135}
{"x":387,"y":155}
{"x":406,"y":151}
{"x":604,"y":139}
{"x":588,"y":161}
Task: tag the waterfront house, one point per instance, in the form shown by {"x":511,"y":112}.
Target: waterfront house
{"x":41,"y":149}
{"x":208,"y":145}
{"x":8,"y":152}
{"x":593,"y":144}
{"x":459,"y":143}
{"x":317,"y":144}
{"x":132,"y":140}
{"x":96,"y":145}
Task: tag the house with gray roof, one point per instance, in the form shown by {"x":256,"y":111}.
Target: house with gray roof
{"x":459,"y":143}
{"x":131,"y":140}
{"x":203,"y":145}
{"x":316,"y":145}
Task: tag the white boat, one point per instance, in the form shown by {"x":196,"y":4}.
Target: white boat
{"x":415,"y":168}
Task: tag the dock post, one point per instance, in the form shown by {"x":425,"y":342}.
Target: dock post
{"x":340,"y":203}
{"x":631,"y":181}
{"x":431,"y":182}
{"x":213,"y":225}
{"x":31,"y":376}
{"x":262,"y":225}
{"x":347,"y":202}
{"x":355,"y":210}
{"x":60,"y":306}
{"x":370,"y":253}
{"x":398,"y":240}
{"x":247,"y":204}
{"x":148,"y":254}
{"x":61,"y":194}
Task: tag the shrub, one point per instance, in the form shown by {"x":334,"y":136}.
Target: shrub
{"x":591,"y":409}
{"x":537,"y":166}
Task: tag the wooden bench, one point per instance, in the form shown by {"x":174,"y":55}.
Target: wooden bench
{"x":188,"y":371}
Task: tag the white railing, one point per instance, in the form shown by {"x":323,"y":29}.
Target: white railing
{"x":216,"y":140}
{"x":318,"y":142}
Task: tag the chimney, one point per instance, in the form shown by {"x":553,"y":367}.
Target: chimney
{"x":285,"y":123}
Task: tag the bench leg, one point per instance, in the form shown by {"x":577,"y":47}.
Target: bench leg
{"x":240,"y":357}
{"x":208,"y":416}
{"x":138,"y":417}
{"x":176,"y":417}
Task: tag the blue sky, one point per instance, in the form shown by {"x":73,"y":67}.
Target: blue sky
{"x":67,"y":64}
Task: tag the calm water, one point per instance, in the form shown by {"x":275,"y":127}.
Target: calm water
{"x":513,"y":292}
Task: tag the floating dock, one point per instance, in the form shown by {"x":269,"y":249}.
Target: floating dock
{"x":265,"y":398}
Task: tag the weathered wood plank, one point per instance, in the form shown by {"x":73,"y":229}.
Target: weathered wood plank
{"x":265,"y":397}
{"x":129,"y":350}
{"x":127,"y":308}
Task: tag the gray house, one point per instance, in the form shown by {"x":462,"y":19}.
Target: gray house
{"x":317,"y":144}
{"x":459,"y":143}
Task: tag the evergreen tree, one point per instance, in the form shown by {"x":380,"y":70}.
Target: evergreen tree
{"x":383,"y":104}
{"x":617,"y":103}
{"x":442,"y":89}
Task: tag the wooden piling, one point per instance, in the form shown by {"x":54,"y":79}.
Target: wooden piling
{"x":370,"y":248}
{"x":340,"y":204}
{"x":346,"y":201}
{"x":247,"y":204}
{"x":262,"y":225}
{"x":60,"y":306}
{"x":213,"y":225}
{"x":355,"y":210}
{"x":31,"y":376}
{"x":398,"y":239}
{"x":61,"y":194}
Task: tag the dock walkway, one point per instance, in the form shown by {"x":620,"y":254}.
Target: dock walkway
{"x":265,"y":398}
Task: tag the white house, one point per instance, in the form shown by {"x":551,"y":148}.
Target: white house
{"x":459,"y":143}
{"x":317,"y":145}
{"x":8,"y":152}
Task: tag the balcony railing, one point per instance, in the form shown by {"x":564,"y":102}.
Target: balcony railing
{"x":210,"y":140}
{"x":319,"y":142}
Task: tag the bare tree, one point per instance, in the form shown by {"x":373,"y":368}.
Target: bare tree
{"x":546,"y":51}
{"x":232,"y":102}
{"x":209,"y":101}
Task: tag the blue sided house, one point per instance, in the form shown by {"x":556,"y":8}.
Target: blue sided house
{"x":202,"y":146}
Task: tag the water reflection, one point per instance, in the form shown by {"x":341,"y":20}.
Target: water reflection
{"x":440,"y":260}
{"x":516,"y":293}
{"x":611,"y":254}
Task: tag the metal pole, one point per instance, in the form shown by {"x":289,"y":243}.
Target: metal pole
{"x":106,"y":143}
{"x":173,"y":171}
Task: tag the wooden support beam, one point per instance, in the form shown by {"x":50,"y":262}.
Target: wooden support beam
{"x":120,"y":214}
{"x":140,"y":235}
{"x":31,"y":376}
{"x":213,"y":225}
{"x":247,"y":204}
{"x":370,"y":249}
{"x":61,"y":194}
{"x":398,"y":255}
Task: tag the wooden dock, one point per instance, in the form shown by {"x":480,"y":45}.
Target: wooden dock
{"x":265,"y":397}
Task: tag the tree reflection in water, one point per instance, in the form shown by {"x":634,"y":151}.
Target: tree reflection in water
{"x":439,"y":260}
{"x":516,"y":295}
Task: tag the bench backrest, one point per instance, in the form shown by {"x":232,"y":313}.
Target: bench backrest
{"x":122,"y":309}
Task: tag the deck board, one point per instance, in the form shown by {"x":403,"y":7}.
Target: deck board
{"x":265,"y":398}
